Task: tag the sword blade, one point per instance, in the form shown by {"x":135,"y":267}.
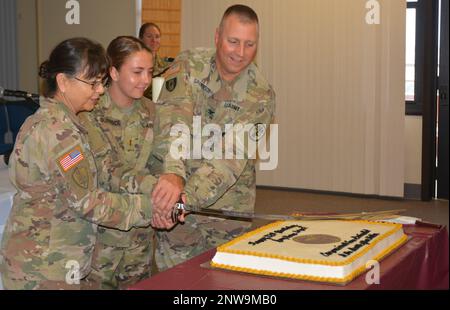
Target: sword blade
{"x":373,"y":215}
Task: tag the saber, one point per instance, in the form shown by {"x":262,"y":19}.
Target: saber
{"x":180,"y":207}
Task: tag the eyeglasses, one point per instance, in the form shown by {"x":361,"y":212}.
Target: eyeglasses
{"x":95,"y":85}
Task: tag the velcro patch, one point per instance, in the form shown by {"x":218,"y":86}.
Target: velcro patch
{"x":71,"y":159}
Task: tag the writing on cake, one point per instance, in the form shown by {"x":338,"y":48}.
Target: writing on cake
{"x":279,"y":234}
{"x":363,"y":238}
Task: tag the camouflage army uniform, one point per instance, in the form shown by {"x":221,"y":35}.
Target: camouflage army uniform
{"x":159,"y":66}
{"x":121,"y":141}
{"x":58,"y":206}
{"x":193,"y":87}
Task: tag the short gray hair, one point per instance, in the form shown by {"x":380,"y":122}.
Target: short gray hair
{"x":245,"y":14}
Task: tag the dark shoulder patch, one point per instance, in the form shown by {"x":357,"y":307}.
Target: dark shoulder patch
{"x":171,"y":84}
{"x":149,"y":105}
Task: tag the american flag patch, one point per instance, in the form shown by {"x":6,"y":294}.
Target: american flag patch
{"x":71,"y":159}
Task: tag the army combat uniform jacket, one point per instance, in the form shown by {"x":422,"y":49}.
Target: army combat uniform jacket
{"x":121,"y":141}
{"x":58,"y":205}
{"x":193,"y":87}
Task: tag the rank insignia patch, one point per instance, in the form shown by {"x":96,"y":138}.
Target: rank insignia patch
{"x":171,"y":84}
{"x":71,"y":159}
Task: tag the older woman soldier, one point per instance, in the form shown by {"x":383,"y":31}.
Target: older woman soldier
{"x":50,"y":235}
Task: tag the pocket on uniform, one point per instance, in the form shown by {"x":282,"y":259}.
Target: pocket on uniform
{"x":114,"y":237}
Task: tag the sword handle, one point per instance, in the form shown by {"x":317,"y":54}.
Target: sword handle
{"x":177,"y":210}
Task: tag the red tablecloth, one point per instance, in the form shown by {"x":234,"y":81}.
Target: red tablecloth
{"x":422,"y":263}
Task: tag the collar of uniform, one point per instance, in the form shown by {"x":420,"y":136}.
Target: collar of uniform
{"x":157,"y":64}
{"x":65,"y":111}
{"x":209,"y":78}
{"x":158,"y":61}
{"x":113,"y":112}
{"x":214,"y":81}
{"x":241,"y":82}
{"x":239,"y":85}
{"x":140,"y":109}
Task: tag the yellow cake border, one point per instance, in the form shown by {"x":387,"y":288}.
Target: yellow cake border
{"x":344,"y":280}
{"x":224,"y":248}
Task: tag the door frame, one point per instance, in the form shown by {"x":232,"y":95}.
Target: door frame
{"x":442,"y":173}
{"x":429,"y":86}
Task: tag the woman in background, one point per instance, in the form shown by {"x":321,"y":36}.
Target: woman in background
{"x":150,"y":34}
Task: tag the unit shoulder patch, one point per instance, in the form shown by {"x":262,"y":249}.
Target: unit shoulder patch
{"x":171,"y":84}
{"x":81,"y":177}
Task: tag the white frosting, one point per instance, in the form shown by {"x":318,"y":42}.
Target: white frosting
{"x":275,"y":265}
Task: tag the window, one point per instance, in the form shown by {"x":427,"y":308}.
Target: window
{"x":413,"y":57}
{"x":410,"y":54}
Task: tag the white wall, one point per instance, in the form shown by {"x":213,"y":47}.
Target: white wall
{"x":101,"y":20}
{"x":42,"y":24}
{"x":339,"y":85}
{"x":27,"y":45}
